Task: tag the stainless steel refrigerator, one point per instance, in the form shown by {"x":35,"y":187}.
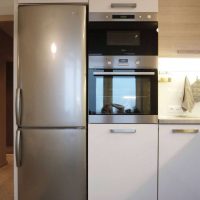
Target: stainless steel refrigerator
{"x":51,"y":102}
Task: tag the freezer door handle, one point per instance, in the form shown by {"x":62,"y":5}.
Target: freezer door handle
{"x":18,"y":148}
{"x":18,"y":106}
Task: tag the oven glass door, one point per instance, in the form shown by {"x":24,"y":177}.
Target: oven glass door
{"x":123,"y":92}
{"x":123,"y":38}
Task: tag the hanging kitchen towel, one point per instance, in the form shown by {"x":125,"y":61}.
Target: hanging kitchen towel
{"x":188,"y":99}
{"x":196,"y":90}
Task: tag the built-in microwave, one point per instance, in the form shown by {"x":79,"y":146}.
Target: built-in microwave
{"x":123,"y":34}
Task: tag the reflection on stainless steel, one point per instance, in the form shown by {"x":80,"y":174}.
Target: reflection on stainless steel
{"x":123,"y":119}
{"x":53,"y":48}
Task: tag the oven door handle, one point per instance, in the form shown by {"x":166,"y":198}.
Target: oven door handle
{"x":123,"y":73}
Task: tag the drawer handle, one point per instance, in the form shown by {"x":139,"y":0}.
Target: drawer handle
{"x":123,"y":5}
{"x":123,"y":131}
{"x":185,"y":131}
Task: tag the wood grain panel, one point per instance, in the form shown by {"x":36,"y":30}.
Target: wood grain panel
{"x":179,"y":27}
{"x":2,"y":114}
{"x":6,"y":54}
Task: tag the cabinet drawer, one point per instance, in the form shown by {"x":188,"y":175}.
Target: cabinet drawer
{"x":52,"y":1}
{"x":123,"y":6}
{"x":179,"y":162}
{"x":122,"y":161}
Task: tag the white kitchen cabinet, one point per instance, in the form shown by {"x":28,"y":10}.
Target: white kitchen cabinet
{"x":123,"y":5}
{"x":52,"y":1}
{"x":122,"y":165}
{"x":179,"y":162}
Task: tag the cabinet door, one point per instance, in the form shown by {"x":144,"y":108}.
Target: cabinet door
{"x":179,"y":31}
{"x":52,"y":1}
{"x":122,"y":161}
{"x":179,"y":162}
{"x":123,"y":6}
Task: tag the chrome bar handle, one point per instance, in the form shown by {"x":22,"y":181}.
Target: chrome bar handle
{"x":18,"y":148}
{"x":18,"y":106}
{"x":185,"y":131}
{"x":123,"y":5}
{"x":123,"y":73}
{"x":123,"y":130}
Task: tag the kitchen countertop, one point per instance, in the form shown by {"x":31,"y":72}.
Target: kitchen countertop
{"x":179,"y":119}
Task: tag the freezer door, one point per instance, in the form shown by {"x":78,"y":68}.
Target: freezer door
{"x":53,"y":165}
{"x":51,"y":66}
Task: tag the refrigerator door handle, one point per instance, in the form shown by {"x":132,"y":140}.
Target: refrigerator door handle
{"x":18,"y":106}
{"x":18,"y":148}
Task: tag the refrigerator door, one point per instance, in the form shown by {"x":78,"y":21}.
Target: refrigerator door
{"x":53,"y":164}
{"x":51,"y":66}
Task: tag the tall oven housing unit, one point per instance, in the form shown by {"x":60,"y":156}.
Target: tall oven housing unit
{"x":123,"y":54}
{"x":51,"y":102}
{"x":123,"y":106}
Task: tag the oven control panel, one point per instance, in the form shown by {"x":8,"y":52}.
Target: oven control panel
{"x":133,"y":62}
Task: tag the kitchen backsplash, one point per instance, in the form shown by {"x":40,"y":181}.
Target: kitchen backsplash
{"x":172,"y":73}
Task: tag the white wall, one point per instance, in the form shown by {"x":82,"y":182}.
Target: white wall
{"x":171,"y":93}
{"x":6,"y":7}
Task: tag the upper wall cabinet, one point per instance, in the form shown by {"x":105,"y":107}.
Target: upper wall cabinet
{"x":123,"y":6}
{"x":6,"y":7}
{"x":52,"y":1}
{"x":179,"y":28}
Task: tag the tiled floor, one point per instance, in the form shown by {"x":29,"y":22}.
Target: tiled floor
{"x":6,"y":180}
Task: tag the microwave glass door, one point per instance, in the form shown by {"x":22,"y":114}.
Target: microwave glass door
{"x":117,"y":92}
{"x":123,"y":38}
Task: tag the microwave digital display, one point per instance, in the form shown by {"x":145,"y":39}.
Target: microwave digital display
{"x":123,"y":38}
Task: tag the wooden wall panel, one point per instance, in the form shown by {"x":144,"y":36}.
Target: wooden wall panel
{"x":2,"y":114}
{"x":9,"y":104}
{"x":6,"y":55}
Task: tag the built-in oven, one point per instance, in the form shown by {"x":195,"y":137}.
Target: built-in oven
{"x":118,"y":94}
{"x":125,"y":35}
{"x":123,"y":78}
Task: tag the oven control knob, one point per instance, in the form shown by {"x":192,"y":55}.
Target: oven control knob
{"x":137,"y":62}
{"x":148,"y":16}
{"x":107,"y":16}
